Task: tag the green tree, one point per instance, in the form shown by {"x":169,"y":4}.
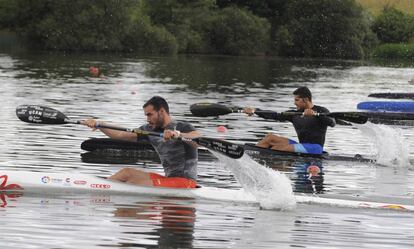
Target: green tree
{"x":93,"y":25}
{"x":145,"y":37}
{"x":236,"y":31}
{"x":272,"y":10}
{"x":181,"y":18}
{"x":394,"y":26}
{"x":71,"y":25}
{"x":200,"y":27}
{"x":325,"y":28}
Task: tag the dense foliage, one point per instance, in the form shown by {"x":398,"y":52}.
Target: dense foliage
{"x":317,"y":28}
{"x":325,"y":28}
{"x":93,"y":25}
{"x":394,"y":26}
{"x":201,"y":27}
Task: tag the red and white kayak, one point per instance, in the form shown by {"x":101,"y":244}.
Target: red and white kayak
{"x":42,"y":182}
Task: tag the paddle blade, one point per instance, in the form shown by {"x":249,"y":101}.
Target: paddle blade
{"x":224,"y":147}
{"x":375,"y":117}
{"x":353,"y":117}
{"x":209,"y":109}
{"x":40,"y":115}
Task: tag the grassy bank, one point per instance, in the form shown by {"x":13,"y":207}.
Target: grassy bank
{"x":376,"y":6}
{"x":404,"y":51}
{"x":394,"y":51}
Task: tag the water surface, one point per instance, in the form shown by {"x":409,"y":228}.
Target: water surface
{"x":62,"y":81}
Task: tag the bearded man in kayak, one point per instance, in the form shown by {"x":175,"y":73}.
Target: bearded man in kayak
{"x":178,"y":158}
{"x":310,"y":127}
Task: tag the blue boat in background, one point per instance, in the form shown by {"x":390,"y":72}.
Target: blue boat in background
{"x":384,"y":106}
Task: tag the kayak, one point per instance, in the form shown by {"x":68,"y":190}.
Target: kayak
{"x":108,"y":150}
{"x":388,"y":106}
{"x":109,"y":144}
{"x":42,"y":182}
{"x":392,"y":95}
{"x":107,"y":147}
{"x":253,"y":151}
{"x":15,"y":183}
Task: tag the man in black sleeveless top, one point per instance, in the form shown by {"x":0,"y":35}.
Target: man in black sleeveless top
{"x":310,"y":127}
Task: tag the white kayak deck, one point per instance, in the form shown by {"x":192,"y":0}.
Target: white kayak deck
{"x":43,"y":182}
{"x":35,"y":182}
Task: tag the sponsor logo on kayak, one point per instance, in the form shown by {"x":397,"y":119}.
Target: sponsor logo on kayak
{"x":99,"y":185}
{"x":47,"y":179}
{"x":101,"y":199}
{"x":80,"y":182}
{"x":57,"y":180}
{"x":394,"y":206}
{"x":66,"y":182}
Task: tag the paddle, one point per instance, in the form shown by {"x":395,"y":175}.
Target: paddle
{"x":400,"y":95}
{"x":206,"y":109}
{"x":209,"y":109}
{"x":46,"y":115}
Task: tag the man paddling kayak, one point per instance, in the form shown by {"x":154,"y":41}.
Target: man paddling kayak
{"x":310,"y":128}
{"x":178,"y":158}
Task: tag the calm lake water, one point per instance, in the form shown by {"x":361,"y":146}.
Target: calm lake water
{"x":103,"y":221}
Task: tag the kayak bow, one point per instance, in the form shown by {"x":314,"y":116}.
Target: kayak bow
{"x":14,"y":182}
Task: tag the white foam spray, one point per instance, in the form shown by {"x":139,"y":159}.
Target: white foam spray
{"x":272,"y":189}
{"x":389,"y":145}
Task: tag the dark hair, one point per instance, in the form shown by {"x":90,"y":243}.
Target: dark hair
{"x":303,"y":92}
{"x":158,"y":102}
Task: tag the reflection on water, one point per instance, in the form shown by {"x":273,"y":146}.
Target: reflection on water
{"x":62,"y":81}
{"x":174,"y":222}
{"x":306,"y":173}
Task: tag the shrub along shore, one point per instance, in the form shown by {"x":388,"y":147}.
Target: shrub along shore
{"x":339,"y":29}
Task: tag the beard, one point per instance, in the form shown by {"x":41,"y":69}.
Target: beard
{"x":158,"y":124}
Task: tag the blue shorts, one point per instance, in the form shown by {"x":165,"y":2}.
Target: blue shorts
{"x":306,"y":148}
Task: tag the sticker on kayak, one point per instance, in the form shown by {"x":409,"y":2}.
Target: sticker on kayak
{"x":7,"y":187}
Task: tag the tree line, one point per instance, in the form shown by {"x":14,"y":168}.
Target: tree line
{"x":301,"y":28}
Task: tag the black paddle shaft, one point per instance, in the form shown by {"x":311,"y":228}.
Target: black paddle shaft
{"x":46,"y":115}
{"x":211,"y":109}
{"x":229,"y":149}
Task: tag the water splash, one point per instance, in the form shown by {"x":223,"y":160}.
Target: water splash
{"x":389,"y":145}
{"x":272,"y":189}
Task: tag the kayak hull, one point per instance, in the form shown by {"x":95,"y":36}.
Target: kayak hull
{"x":41,"y":182}
{"x":388,"y":106}
{"x":392,"y":95}
{"x":110,"y":148}
{"x":14,"y":182}
{"x":253,"y":150}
